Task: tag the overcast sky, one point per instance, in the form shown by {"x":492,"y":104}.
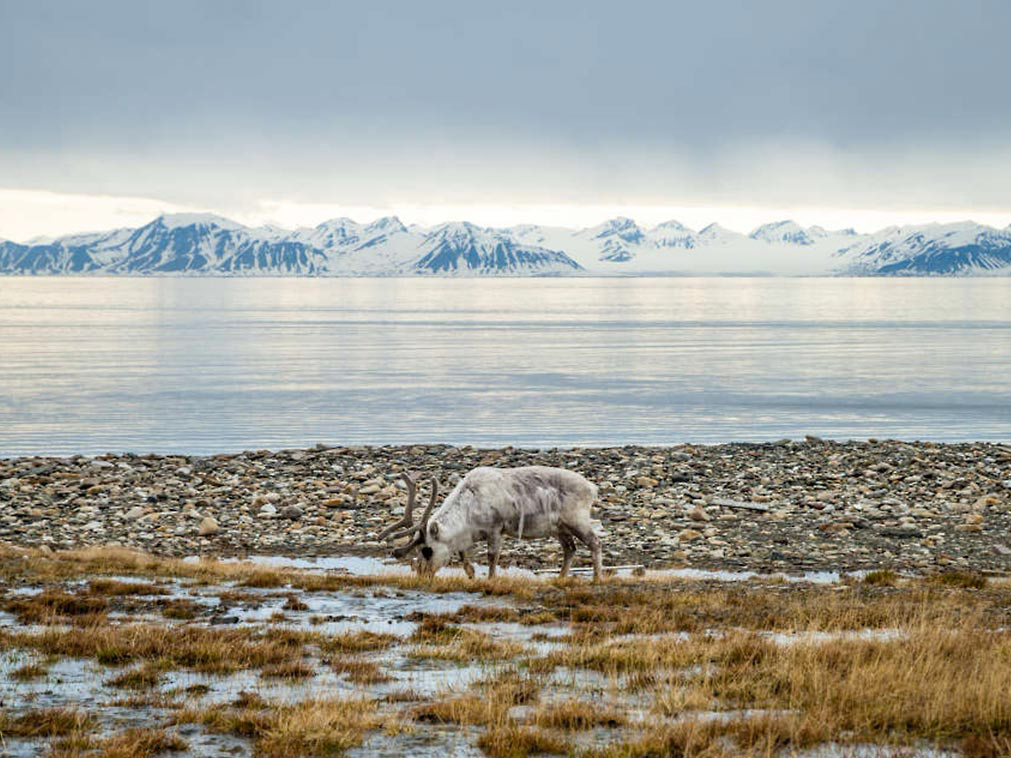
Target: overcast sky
{"x":858,"y":112}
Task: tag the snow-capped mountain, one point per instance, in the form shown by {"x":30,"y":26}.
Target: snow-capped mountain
{"x":788,"y":231}
{"x":618,"y":239}
{"x":673,"y":234}
{"x":210,"y":244}
{"x":464,"y":248}
{"x":934,"y":249}
{"x":195,"y":244}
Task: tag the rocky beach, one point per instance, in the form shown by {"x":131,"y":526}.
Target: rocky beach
{"x":791,"y":506}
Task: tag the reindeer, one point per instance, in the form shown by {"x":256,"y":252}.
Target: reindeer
{"x":526,"y":503}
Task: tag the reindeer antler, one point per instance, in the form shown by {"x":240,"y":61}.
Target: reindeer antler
{"x":412,"y":489}
{"x":418,"y":530}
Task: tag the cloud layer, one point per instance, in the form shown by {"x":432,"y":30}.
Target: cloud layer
{"x":230,"y":105}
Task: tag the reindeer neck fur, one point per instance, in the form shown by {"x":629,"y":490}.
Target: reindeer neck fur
{"x":454,"y":519}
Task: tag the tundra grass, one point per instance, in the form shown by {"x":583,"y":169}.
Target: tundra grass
{"x":202,"y":649}
{"x":360,"y":672}
{"x":29,"y":672}
{"x":936,"y":672}
{"x":311,"y":727}
{"x":46,"y":722}
{"x":133,"y":743}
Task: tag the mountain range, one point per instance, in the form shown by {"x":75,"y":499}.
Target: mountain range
{"x":205,"y":244}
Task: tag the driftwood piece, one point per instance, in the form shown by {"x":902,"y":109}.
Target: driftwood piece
{"x":724,"y":502}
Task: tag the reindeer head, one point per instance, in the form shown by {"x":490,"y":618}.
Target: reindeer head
{"x":434,"y":555}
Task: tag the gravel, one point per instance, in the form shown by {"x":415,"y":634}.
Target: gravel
{"x":787,"y":506}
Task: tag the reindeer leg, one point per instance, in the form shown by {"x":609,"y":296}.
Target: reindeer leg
{"x":589,"y":538}
{"x":494,"y":546}
{"x":468,"y":567}
{"x":568,"y":551}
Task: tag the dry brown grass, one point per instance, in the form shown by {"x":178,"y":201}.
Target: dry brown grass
{"x":883,"y":578}
{"x":141,"y":743}
{"x":487,"y":704}
{"x":689,"y":739}
{"x":116,"y":588}
{"x":360,"y":672}
{"x":150,"y":699}
{"x":437,"y":639}
{"x":513,"y":741}
{"x":960,"y":579}
{"x":624,"y":606}
{"x":55,"y":606}
{"x":944,"y":681}
{"x":143,"y":678}
{"x":133,"y":743}
{"x":20,"y":563}
{"x":287,"y":670}
{"x":360,"y":641}
{"x":199,"y":648}
{"x":319,"y":727}
{"x":311,"y":727}
{"x":45,"y":722}
{"x":469,"y":646}
{"x":29,"y":671}
{"x":625,"y":656}
{"x":574,"y":715}
{"x":655,"y":608}
{"x":179,"y":608}
{"x":292,"y":603}
{"x":460,"y":709}
{"x":935,"y":684}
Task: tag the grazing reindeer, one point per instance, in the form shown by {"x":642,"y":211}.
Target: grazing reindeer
{"x":526,"y":502}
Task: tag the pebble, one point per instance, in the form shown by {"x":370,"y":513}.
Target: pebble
{"x":698,"y":514}
{"x":208,"y":526}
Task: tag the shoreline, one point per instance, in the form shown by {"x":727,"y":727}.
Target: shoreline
{"x":789,"y":506}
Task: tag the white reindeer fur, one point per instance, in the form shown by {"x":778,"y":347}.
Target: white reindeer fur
{"x":527,"y":502}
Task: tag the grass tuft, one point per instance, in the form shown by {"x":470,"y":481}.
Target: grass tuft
{"x":512,"y":741}
{"x":883,"y":578}
{"x":46,"y":722}
{"x":54,"y":606}
{"x":310,"y":728}
{"x":959,"y":579}
{"x":287,"y":670}
{"x":116,"y":588}
{"x":143,"y":678}
{"x":28,"y":672}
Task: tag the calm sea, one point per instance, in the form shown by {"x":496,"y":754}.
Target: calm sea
{"x":90,"y":365}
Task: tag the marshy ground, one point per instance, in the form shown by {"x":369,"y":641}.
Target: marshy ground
{"x":113,"y":652}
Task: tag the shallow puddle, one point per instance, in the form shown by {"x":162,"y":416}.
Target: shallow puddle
{"x":374,"y":566}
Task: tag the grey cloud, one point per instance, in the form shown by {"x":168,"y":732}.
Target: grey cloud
{"x":336,"y":97}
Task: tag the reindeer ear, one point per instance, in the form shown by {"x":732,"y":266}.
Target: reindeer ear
{"x":433,"y":529}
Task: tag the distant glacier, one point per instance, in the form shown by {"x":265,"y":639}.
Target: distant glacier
{"x":205,"y":244}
